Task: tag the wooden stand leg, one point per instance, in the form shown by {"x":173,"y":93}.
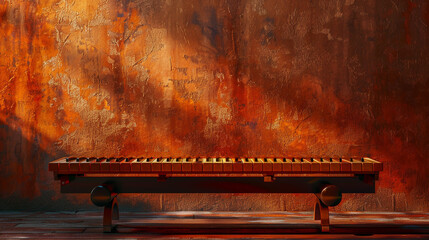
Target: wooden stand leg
{"x":321,"y":212}
{"x":111,"y":212}
{"x":316,"y":211}
{"x":115,"y":213}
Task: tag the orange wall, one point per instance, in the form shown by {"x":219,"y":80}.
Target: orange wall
{"x":230,"y":78}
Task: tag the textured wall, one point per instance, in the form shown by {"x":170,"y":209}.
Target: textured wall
{"x":231,"y":78}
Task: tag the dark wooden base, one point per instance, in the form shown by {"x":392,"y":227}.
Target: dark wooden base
{"x":303,"y":184}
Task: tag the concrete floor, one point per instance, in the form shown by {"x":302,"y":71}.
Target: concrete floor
{"x":213,"y":225}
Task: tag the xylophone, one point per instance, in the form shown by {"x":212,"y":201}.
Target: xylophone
{"x":326,"y":177}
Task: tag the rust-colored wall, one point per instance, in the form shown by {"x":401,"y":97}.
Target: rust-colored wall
{"x":232,"y":78}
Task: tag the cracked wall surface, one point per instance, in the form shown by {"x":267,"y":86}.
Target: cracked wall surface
{"x":214,"y":78}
